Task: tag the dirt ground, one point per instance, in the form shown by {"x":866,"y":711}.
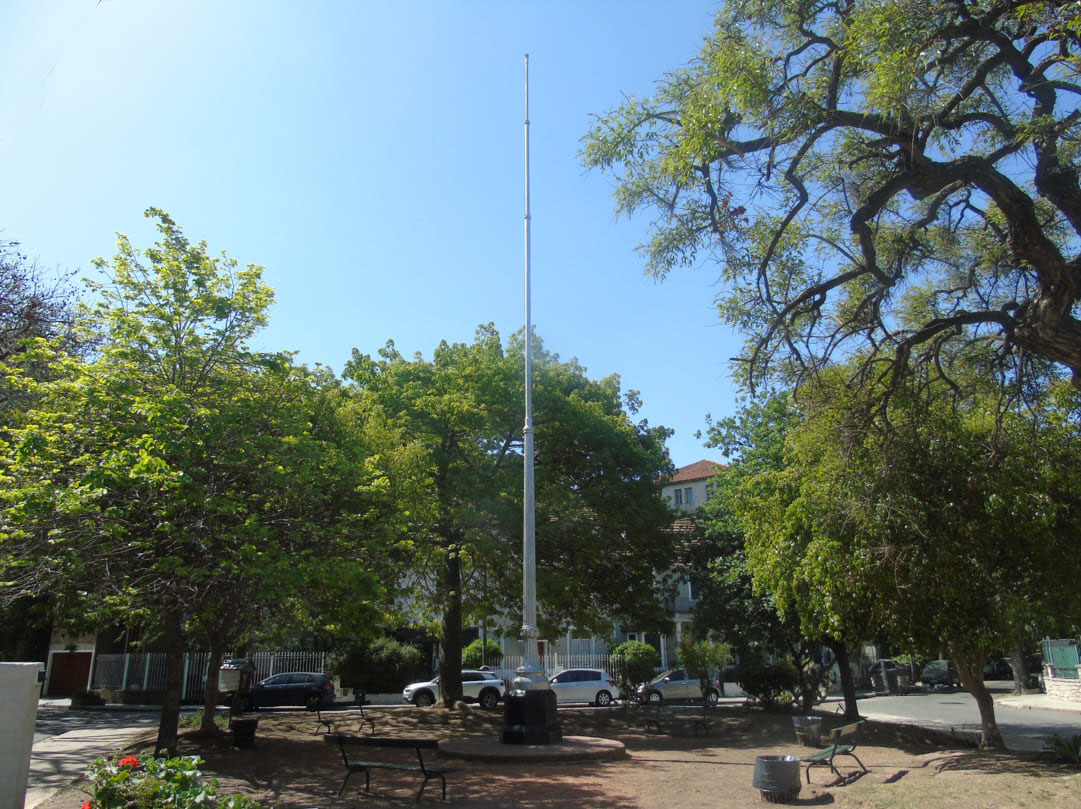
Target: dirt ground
{"x":291,"y":767}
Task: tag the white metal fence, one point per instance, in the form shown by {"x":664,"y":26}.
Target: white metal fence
{"x":553,"y":663}
{"x":146,"y":672}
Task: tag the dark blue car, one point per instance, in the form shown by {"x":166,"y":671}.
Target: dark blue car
{"x":293,"y":688}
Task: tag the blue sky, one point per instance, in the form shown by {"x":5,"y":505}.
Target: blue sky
{"x":370,"y":156}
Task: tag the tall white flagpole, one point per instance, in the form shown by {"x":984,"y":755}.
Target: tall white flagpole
{"x":530,"y":675}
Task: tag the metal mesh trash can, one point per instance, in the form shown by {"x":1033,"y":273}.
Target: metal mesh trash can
{"x":808,"y":730}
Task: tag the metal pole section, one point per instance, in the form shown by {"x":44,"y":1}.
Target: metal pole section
{"x":530,"y":675}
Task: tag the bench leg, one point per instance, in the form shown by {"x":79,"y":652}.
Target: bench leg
{"x":427,"y":777}
{"x":348,"y":775}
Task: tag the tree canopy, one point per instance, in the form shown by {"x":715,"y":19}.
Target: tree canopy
{"x":899,"y":176}
{"x":942,"y":527}
{"x":600,"y":519}
{"x":180,"y":483}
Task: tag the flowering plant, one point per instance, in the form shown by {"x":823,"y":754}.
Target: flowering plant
{"x":156,"y":783}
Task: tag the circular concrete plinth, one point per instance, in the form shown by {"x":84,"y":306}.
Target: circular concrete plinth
{"x":572,"y":748}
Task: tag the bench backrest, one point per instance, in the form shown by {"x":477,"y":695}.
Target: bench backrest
{"x":846,"y":734}
{"x":381,"y":741}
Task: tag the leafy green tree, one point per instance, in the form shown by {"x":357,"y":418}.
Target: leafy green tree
{"x":702,"y":658}
{"x":181,"y":483}
{"x":633,"y":662}
{"x":599,"y":514}
{"x":736,"y":599}
{"x":479,"y":653}
{"x":931,"y":525}
{"x":898,"y":177}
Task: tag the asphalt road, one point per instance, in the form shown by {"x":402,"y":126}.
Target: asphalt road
{"x":1025,"y":725}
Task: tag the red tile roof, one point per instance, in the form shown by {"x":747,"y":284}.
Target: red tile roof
{"x":699,"y":470}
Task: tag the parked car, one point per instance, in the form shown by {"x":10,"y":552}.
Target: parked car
{"x":888,"y":675}
{"x":477,"y":686}
{"x":940,"y":673}
{"x":594,"y":686}
{"x":292,"y":688}
{"x":678,"y":684}
{"x":998,"y":668}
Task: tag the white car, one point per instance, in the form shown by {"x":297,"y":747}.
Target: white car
{"x":477,"y":686}
{"x":594,"y":686}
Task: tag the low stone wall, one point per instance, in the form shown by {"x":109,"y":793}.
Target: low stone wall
{"x":1062,"y":688}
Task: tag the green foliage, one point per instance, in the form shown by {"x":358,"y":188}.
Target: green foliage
{"x":772,"y":685}
{"x":935,"y":521}
{"x":632,"y":663}
{"x":1066,"y":749}
{"x":702,"y":658}
{"x":195,"y":720}
{"x":731,"y":602}
{"x":180,"y":482}
{"x":827,"y":157}
{"x":597,"y":484}
{"x":473,"y":658}
{"x":383,"y":665}
{"x":157,"y":783}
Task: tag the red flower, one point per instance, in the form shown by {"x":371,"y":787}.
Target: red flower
{"x":87,"y":805}
{"x":126,"y":761}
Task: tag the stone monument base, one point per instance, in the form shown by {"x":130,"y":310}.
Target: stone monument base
{"x":529,"y":717}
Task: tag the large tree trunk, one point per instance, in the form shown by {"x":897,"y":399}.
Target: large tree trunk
{"x":848,"y":682}
{"x":970,"y":669}
{"x":450,"y":644}
{"x":169,"y":724}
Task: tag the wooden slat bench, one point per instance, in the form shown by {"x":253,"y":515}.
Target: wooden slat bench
{"x":842,"y":742}
{"x":344,"y":741}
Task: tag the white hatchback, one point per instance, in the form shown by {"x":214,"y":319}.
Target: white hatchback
{"x":594,"y":686}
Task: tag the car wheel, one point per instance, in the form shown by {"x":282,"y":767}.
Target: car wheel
{"x":489,"y":698}
{"x":422,"y":699}
{"x":712,"y":697}
{"x":603,"y":699}
{"x":311,"y":702}
{"x":655,"y":696}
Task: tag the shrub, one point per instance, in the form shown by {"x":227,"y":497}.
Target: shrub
{"x":195,"y":720}
{"x":770,"y":684}
{"x":471,"y":654}
{"x":1065,"y":749}
{"x":384,"y":665}
{"x":631,"y":663}
{"x":702,"y":658}
{"x":151,"y":783}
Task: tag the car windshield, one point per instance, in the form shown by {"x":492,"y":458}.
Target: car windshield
{"x":937,"y":665}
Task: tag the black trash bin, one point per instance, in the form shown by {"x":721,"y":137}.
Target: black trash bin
{"x":243,"y":732}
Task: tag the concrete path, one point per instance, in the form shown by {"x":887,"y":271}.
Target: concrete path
{"x":66,"y":741}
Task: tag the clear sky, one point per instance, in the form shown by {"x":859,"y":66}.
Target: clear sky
{"x":370,"y":156}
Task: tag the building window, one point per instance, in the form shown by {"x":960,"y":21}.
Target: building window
{"x":688,"y":495}
{"x":709,"y":490}
{"x":679,"y":497}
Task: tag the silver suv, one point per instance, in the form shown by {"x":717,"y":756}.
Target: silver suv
{"x":477,"y":686}
{"x":678,"y":684}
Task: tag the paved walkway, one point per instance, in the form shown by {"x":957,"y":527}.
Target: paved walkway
{"x":59,"y":759}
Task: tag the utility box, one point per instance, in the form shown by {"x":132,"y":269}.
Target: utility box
{"x":19,"y":689}
{"x":235,"y":679}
